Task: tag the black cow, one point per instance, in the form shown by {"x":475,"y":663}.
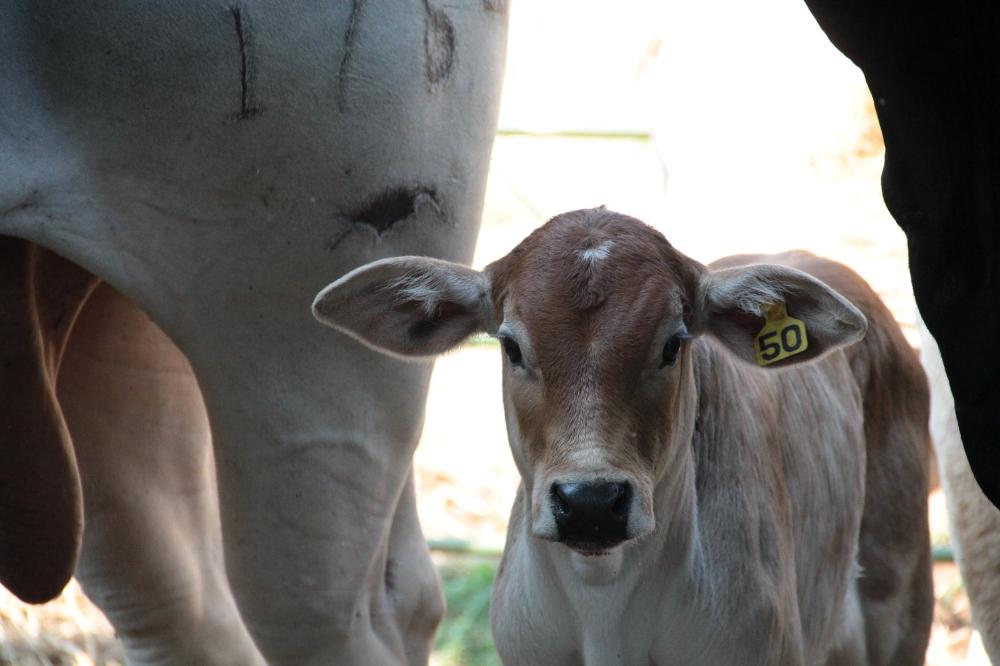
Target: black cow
{"x":934,"y":73}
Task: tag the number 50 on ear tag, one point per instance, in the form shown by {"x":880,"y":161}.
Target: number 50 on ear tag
{"x":781,"y":337}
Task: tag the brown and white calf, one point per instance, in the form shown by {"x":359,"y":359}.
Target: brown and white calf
{"x":680,"y":504}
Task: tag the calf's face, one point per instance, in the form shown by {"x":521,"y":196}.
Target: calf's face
{"x":594,"y":324}
{"x":595,"y":313}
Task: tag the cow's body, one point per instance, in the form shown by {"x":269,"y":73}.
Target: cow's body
{"x":216,"y":163}
{"x":678,"y":504}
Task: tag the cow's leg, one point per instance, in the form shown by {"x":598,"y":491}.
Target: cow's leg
{"x":152,"y":550}
{"x":411,"y":581}
{"x":323,"y":547}
{"x":974,"y":523}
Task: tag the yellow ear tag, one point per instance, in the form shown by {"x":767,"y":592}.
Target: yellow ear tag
{"x":781,"y":337}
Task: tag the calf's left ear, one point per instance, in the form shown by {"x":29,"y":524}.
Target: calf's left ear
{"x":751,"y":309}
{"x":408,"y":306}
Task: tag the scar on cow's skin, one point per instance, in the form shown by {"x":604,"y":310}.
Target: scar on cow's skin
{"x":389,"y":207}
{"x":439,"y":45}
{"x":249,"y":106}
{"x":350,"y":39}
{"x":33,"y":200}
{"x":390,"y":575}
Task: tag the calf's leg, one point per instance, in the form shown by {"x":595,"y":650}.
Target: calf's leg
{"x":411,"y":579}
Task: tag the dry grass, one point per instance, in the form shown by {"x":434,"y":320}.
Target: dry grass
{"x":69,"y":631}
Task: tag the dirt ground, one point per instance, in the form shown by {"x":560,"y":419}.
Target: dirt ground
{"x":728,"y":126}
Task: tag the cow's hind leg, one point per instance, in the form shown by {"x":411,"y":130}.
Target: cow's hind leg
{"x":974,"y":523}
{"x":896,"y":588}
{"x":152,"y":550}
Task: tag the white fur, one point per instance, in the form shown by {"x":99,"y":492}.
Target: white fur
{"x":974,"y":523}
{"x":595,"y":254}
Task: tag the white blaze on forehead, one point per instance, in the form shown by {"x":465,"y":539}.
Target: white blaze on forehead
{"x":598,"y":253}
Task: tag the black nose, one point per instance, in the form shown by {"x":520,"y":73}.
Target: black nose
{"x":591,"y":515}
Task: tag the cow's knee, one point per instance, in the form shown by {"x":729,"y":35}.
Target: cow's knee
{"x":411,"y":581}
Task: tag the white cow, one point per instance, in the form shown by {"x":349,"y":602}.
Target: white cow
{"x":680,"y":505}
{"x":215,"y":164}
{"x":974,"y":523}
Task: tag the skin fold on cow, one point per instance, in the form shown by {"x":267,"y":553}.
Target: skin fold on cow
{"x":215,"y":164}
{"x":679,"y":503}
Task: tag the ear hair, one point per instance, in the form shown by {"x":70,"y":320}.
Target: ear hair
{"x":428,"y":289}
{"x":732,"y":305}
{"x":750,"y":294}
{"x":408,"y":306}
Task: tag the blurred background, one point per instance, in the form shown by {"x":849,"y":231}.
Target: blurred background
{"x":730,"y":126}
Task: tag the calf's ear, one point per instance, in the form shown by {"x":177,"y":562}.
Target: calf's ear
{"x":408,"y":306}
{"x":753,"y":310}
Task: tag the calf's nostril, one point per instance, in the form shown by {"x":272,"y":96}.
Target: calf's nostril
{"x":624,"y":495}
{"x":560,"y":500}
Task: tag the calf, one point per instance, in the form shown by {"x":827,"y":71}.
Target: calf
{"x":692,"y":492}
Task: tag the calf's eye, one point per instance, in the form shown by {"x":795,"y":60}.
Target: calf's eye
{"x":671,"y":349}
{"x":512,"y":351}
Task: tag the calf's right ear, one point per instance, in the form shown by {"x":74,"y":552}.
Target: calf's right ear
{"x":732,"y":305}
{"x":408,"y":306}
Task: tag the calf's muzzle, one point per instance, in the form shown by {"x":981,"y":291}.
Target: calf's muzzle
{"x":591,"y":516}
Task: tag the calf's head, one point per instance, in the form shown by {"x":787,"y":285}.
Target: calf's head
{"x":595,"y":313}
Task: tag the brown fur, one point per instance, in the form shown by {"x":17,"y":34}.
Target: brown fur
{"x":897,"y":592}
